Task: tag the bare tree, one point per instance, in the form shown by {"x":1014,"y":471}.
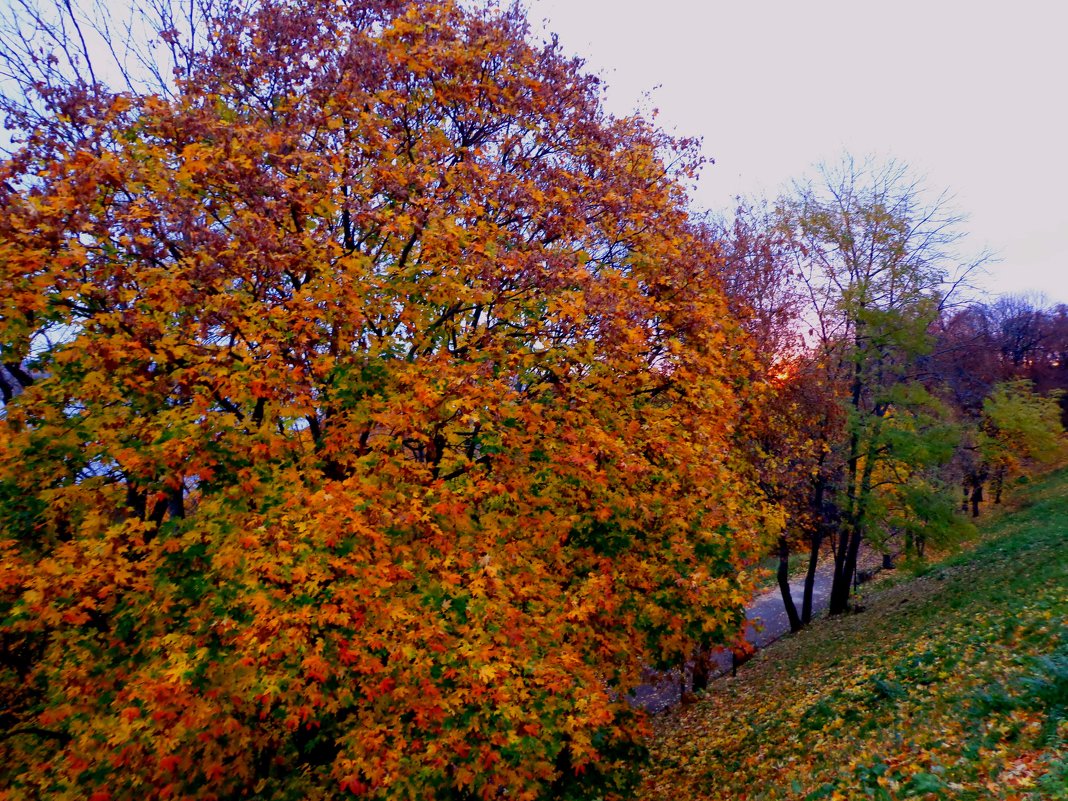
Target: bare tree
{"x":1019,"y":323}
{"x":51,"y":50}
{"x":758,"y":277}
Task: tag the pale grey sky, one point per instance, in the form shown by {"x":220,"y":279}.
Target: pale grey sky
{"x":973,"y":95}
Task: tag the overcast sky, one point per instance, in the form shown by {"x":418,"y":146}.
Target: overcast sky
{"x":972,"y":95}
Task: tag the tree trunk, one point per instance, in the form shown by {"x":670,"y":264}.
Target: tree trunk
{"x":176,"y":502}
{"x":999,"y":484}
{"x":810,"y":576}
{"x":845,"y":565}
{"x":846,"y":559}
{"x":136,"y":501}
{"x":702,"y":668}
{"x":784,"y":585}
{"x":977,"y":497}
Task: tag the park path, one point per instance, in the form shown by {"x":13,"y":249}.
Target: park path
{"x":766,"y":622}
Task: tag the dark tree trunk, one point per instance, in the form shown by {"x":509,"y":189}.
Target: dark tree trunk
{"x":136,"y":501}
{"x":739,"y":656}
{"x":837,"y":603}
{"x":783,"y":576}
{"x":999,"y":484}
{"x":20,"y":375}
{"x":702,"y":669}
{"x":810,"y":576}
{"x":159,"y":511}
{"x":859,"y":492}
{"x":176,"y":502}
{"x":976,"y":497}
{"x":845,"y":565}
{"x":823,"y":524}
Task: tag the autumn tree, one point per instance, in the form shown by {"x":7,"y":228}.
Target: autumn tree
{"x":790,"y":415}
{"x":1019,"y":429}
{"x":965,"y":362}
{"x":998,"y":363}
{"x":759,"y":279}
{"x":791,"y":443}
{"x":1031,"y":337}
{"x":878,"y":257}
{"x":368,"y":413}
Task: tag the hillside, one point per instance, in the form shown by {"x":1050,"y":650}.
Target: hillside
{"x":951,"y":685}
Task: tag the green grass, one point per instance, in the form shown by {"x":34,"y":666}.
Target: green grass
{"x":952,"y":685}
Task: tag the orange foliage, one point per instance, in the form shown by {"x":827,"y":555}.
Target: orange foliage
{"x":378,"y":431}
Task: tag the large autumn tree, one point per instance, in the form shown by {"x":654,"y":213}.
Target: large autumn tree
{"x":367,"y":418}
{"x":793,"y":415}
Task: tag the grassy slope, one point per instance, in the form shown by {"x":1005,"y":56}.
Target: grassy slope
{"x":953,"y":685}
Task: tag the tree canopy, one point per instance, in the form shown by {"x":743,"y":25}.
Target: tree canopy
{"x":367,"y":424}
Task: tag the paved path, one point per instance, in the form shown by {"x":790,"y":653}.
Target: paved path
{"x":766,"y":621}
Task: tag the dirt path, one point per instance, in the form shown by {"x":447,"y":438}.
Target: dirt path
{"x":766,"y":621}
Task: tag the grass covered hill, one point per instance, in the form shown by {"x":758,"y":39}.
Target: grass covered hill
{"x":952,"y":685}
